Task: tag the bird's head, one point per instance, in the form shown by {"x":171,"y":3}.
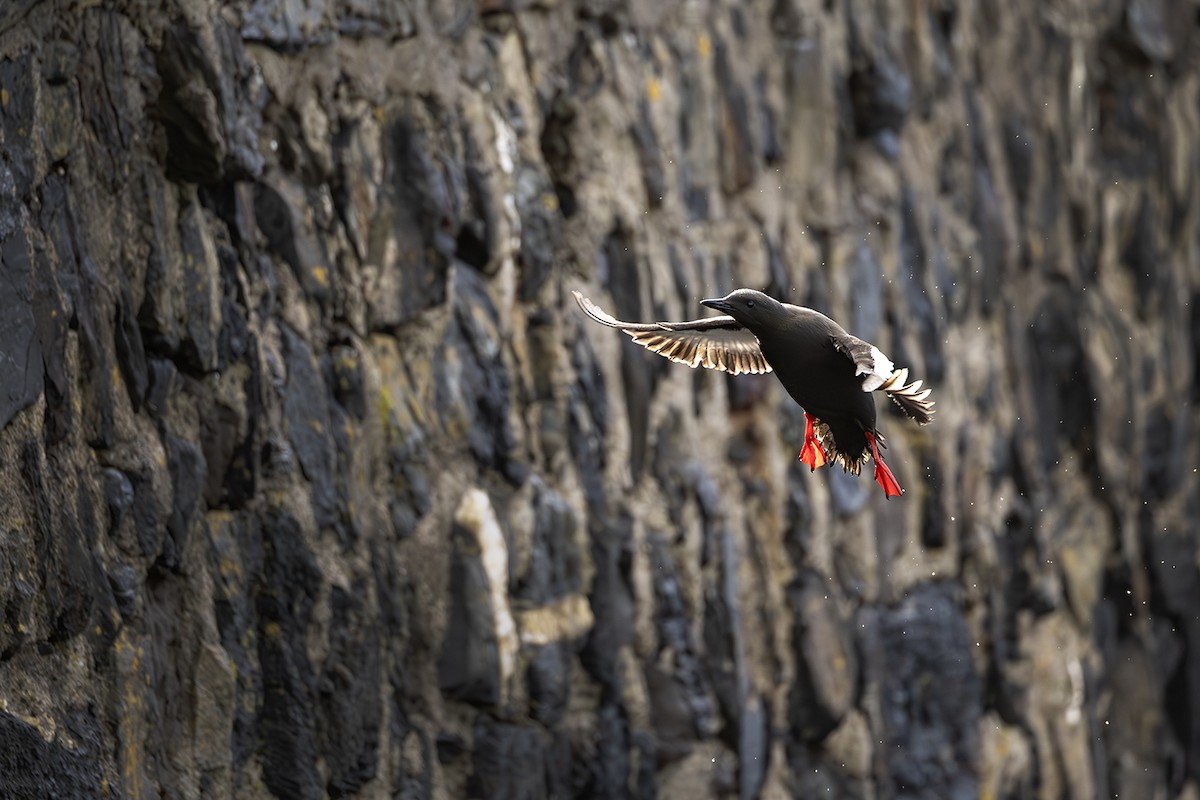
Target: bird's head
{"x":755,"y":310}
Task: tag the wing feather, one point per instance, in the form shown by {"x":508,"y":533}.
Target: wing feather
{"x":911,"y":398}
{"x":719,"y":343}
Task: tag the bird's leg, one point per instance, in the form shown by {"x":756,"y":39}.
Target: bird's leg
{"x":811,"y":453}
{"x":883,"y":475}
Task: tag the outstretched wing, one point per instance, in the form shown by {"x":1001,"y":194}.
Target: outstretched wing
{"x":713,"y":342}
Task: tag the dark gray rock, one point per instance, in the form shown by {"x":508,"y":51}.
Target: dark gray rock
{"x":770,"y":145}
{"x":207,"y":104}
{"x":345,"y":483}
{"x":1021,"y":146}
{"x":867,"y":313}
{"x":287,"y":718}
{"x":428,"y":179}
{"x":469,"y":663}
{"x":826,"y":666}
{"x":280,"y":209}
{"x":306,"y":409}
{"x":931,"y":697}
{"x":541,"y":228}
{"x":60,"y":120}
{"x":104,"y":98}
{"x":672,"y":468}
{"x":1149,"y":22}
{"x":1142,"y":257}
{"x":798,"y":536}
{"x":21,"y":369}
{"x":219,"y":441}
{"x":611,"y":600}
{"x":607,"y":765}
{"x":32,"y":767}
{"x":557,"y":151}
{"x":286,"y":26}
{"x":123,"y":582}
{"x":60,"y":61}
{"x":342,"y":368}
{"x":106,"y":620}
{"x":722,"y":635}
{"x":131,"y":354}
{"x":236,"y":556}
{"x":617,"y":266}
{"x":349,"y":714}
{"x":66,"y":568}
{"x":17,"y":123}
{"x":51,"y":318}
{"x":241,"y":95}
{"x":147,"y":524}
{"x":199,"y":289}
{"x":450,"y":747}
{"x":754,"y":742}
{"x":482,"y":393}
{"x":509,"y":762}
{"x":549,"y":680}
{"x":235,"y":342}
{"x":880,"y":89}
{"x":933,"y":512}
{"x":93,"y":315}
{"x":555,"y":561}
{"x":477,"y":237}
{"x":674,"y":727}
{"x":410,"y":493}
{"x":118,"y":492}
{"x":922,"y":314}
{"x":1176,"y":587}
{"x":850,"y":493}
{"x":1062,"y":384}
{"x":185,"y":462}
{"x":588,"y":422}
{"x":158,"y":315}
{"x":737,"y":150}
{"x":816,"y":776}
{"x":649,"y":153}
{"x":375,"y":18}
{"x":12,"y":13}
{"x":675,"y":636}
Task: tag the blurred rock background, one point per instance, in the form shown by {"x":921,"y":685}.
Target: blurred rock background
{"x":314,"y":482}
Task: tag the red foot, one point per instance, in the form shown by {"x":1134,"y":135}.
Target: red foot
{"x":811,"y":453}
{"x":883,"y":475}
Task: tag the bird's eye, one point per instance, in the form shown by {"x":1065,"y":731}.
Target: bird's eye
{"x":749,"y":304}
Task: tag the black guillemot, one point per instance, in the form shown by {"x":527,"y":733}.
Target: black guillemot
{"x":831,"y":374}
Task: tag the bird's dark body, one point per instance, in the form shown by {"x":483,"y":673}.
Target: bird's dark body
{"x":818,"y":377}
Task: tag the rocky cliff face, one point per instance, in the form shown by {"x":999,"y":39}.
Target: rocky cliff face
{"x":314,"y":482}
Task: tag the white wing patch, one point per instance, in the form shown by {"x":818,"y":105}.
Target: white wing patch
{"x":877,"y":374}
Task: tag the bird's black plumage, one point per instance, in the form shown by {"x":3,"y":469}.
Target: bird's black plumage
{"x":829,"y":372}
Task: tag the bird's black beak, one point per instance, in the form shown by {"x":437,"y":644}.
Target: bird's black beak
{"x":716,"y":302}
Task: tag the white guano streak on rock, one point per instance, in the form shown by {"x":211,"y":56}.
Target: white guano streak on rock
{"x":475,"y":514}
{"x":569,"y":618}
{"x":506,"y":152}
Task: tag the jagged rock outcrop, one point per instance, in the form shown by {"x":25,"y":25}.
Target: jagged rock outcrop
{"x":313,"y":481}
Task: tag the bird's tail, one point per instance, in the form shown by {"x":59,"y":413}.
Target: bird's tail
{"x":911,"y":398}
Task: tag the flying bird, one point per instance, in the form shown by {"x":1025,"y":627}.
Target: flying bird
{"x":831,"y":374}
